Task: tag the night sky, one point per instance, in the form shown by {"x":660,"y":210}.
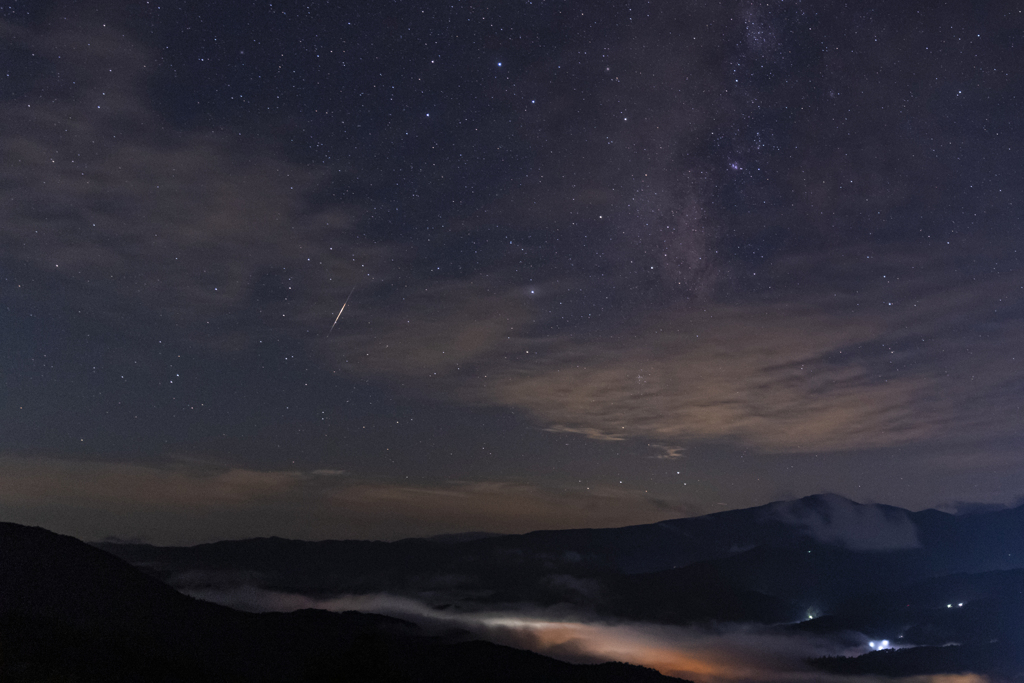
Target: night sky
{"x":609,"y":262}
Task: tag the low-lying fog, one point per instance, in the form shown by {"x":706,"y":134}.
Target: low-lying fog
{"x":735,"y":653}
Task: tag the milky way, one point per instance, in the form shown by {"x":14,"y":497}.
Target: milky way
{"x":680,"y":256}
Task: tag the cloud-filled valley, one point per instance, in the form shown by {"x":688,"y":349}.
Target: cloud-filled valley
{"x":792,"y":591}
{"x":739,"y":653}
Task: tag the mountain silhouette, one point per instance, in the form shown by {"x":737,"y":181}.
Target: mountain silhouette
{"x":809,"y":554}
{"x":821,"y":564}
{"x":73,"y":612}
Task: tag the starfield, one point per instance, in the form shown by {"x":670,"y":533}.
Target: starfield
{"x":478,"y":271}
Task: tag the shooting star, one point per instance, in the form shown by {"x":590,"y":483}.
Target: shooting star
{"x":341,"y":311}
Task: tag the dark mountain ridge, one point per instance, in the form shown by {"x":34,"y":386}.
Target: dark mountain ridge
{"x":813,"y":552}
{"x":821,"y":564}
{"x":72,"y":612}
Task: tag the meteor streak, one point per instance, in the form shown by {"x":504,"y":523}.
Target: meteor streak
{"x":341,"y":311}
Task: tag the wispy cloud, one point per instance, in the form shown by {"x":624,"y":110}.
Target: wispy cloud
{"x":668,"y":452}
{"x":589,"y":432}
{"x":820,"y":373}
{"x":734,"y":653}
{"x":839,"y":521}
{"x":209,"y":231}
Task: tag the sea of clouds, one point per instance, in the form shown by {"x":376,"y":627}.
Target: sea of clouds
{"x":728,"y":653}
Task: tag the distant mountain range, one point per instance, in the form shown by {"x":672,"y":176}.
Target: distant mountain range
{"x":937,"y":593}
{"x":822,"y":564}
{"x":70,"y":612}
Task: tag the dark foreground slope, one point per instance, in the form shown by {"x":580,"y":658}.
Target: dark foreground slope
{"x":71,"y":612}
